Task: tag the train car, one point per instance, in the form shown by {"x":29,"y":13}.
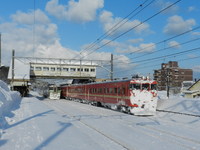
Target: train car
{"x":135,"y":96}
{"x":54,"y":92}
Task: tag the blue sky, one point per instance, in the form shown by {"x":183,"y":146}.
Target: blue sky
{"x":67,"y":28}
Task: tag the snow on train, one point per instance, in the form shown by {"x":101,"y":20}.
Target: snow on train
{"x":135,"y":96}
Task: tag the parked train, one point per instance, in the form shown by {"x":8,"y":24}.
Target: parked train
{"x":135,"y":96}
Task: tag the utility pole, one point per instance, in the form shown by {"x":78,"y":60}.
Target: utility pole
{"x":111,"y":69}
{"x":168,"y":82}
{"x":13,"y":68}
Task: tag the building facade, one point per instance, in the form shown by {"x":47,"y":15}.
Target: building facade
{"x":170,"y":75}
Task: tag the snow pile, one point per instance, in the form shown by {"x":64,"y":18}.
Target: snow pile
{"x":9,"y":100}
{"x":178,"y":103}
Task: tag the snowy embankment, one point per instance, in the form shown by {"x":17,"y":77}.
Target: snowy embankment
{"x":177,"y":103}
{"x":9,"y":100}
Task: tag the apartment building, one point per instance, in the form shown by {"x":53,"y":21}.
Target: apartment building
{"x":171,"y":75}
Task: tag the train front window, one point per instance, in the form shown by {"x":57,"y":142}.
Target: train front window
{"x":135,"y":86}
{"x":145,"y":86}
{"x":153,"y":86}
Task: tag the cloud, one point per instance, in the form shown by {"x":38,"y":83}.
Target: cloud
{"x":176,"y":25}
{"x":196,"y":68}
{"x":20,"y":35}
{"x":55,"y":50}
{"x":191,"y":8}
{"x":162,"y":4}
{"x":81,"y":11}
{"x":30,"y":18}
{"x":110,"y":43}
{"x":134,"y":41}
{"x":196,"y":33}
{"x":141,"y":48}
{"x":174,"y":44}
{"x":109,"y":22}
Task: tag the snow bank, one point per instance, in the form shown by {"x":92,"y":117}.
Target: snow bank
{"x":178,"y":103}
{"x":9,"y":100}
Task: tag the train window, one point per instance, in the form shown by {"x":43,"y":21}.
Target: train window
{"x":107,"y":90}
{"x":153,"y":86}
{"x":98,"y":90}
{"x":145,"y":86}
{"x":50,"y":88}
{"x":119,"y":91}
{"x":123,"y":90}
{"x":134,"y":86}
{"x":115,"y":90}
{"x":110,"y":90}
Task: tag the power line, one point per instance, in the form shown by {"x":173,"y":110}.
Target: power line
{"x":178,"y":53}
{"x":135,"y":26}
{"x":154,"y":65}
{"x":188,"y":31}
{"x":116,"y":26}
{"x":163,"y":49}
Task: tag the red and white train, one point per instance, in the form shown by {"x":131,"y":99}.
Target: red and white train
{"x":135,"y":96}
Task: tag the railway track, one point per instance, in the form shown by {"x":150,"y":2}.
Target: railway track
{"x":153,"y":131}
{"x":179,"y":113}
{"x":71,"y":116}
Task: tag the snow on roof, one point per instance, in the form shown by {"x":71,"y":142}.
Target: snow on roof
{"x":21,"y":70}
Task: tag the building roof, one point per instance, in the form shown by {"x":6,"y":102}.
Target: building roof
{"x":196,"y":83}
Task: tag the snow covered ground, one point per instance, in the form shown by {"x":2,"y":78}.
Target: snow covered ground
{"x":37,"y":124}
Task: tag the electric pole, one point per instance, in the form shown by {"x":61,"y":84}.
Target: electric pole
{"x":111,"y":69}
{"x":13,"y":68}
{"x":168,"y":82}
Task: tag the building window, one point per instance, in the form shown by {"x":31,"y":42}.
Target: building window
{"x":38,"y":68}
{"x":86,"y":69}
{"x":45,"y":68}
{"x":72,"y":69}
{"x":80,"y":69}
{"x":58,"y":69}
{"x":66,"y":69}
{"x":92,"y":70}
{"x":53,"y":68}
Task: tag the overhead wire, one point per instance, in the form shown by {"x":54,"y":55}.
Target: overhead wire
{"x":164,"y":9}
{"x":165,"y":48}
{"x":140,"y":66}
{"x":117,"y":26}
{"x":165,"y":40}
